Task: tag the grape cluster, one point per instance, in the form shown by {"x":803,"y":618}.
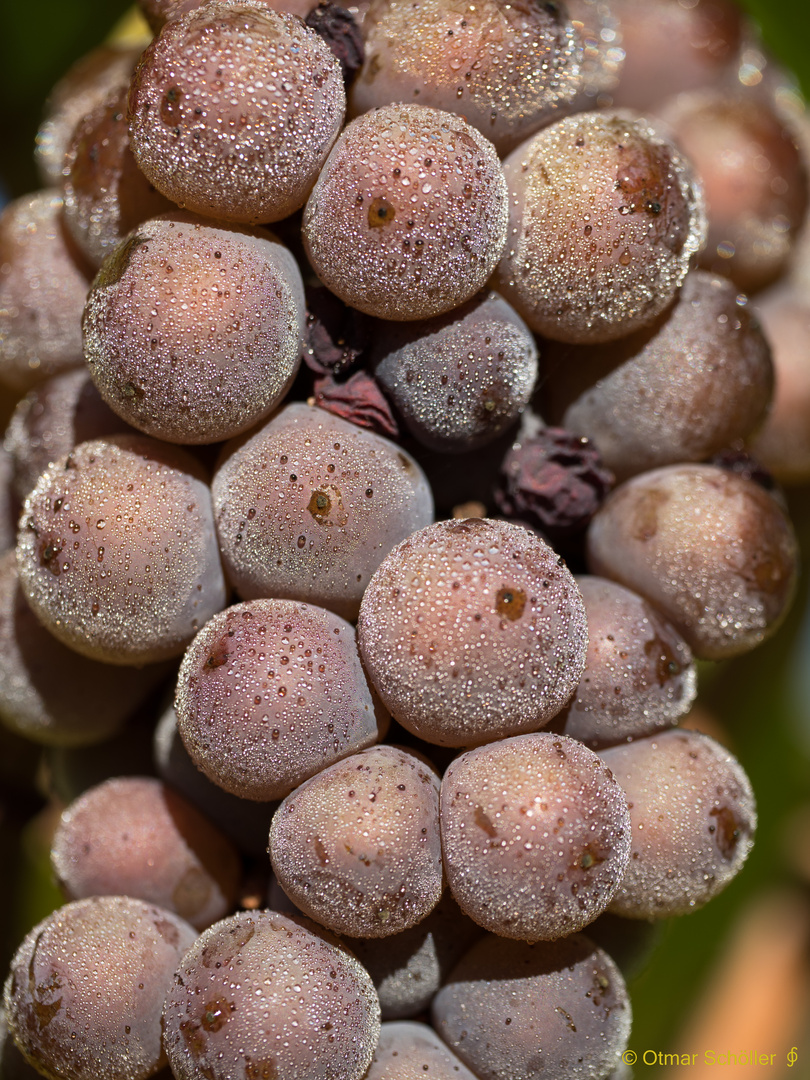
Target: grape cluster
{"x":386,"y":543}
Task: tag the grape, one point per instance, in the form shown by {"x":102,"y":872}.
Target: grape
{"x":461,"y":379}
{"x":535,"y":835}
{"x":473,"y":630}
{"x":50,"y":694}
{"x":696,"y":381}
{"x":357,"y":847}
{"x":193,"y":330}
{"x":309,"y":506}
{"x":86,"y":988}
{"x":42,"y":291}
{"x":714,"y":552}
{"x":13,"y":1065}
{"x":260,"y":996}
{"x":157,"y":12}
{"x":88,"y":82}
{"x":505,"y":67}
{"x":116,"y":551}
{"x":754,"y":178}
{"x":693,"y":820}
{"x":51,"y":420}
{"x":406,"y":1051}
{"x":408,"y":217}
{"x":605,"y":217}
{"x":783,"y":442}
{"x":244,"y":822}
{"x":413,"y":964}
{"x":639,"y":674}
{"x":9,"y":509}
{"x":556,"y":1009}
{"x":106,"y":195}
{"x":233,"y":110}
{"x":269,"y":693}
{"x":134,"y":836}
{"x":672,"y":46}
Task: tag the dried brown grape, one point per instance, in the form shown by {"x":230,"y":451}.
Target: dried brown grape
{"x":269,"y":693}
{"x":259,"y":995}
{"x":193,"y":329}
{"x":309,"y":506}
{"x":535,"y":835}
{"x":116,"y":551}
{"x":605,"y":217}
{"x":408,"y":217}
{"x":233,"y":110}
{"x":473,"y":630}
{"x":357,"y":847}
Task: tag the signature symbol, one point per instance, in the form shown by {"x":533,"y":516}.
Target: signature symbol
{"x":792,"y":1058}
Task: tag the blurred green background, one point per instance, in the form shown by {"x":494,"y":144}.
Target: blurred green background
{"x":762,"y":703}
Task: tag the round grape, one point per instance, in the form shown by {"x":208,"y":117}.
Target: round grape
{"x":535,"y":835}
{"x":556,"y":1009}
{"x":87,"y":985}
{"x":309,"y":506}
{"x":233,"y":110}
{"x":605,"y":218}
{"x":693,"y":818}
{"x":259,"y":995}
{"x":408,"y":217}
{"x":116,"y":551}
{"x":193,"y":330}
{"x":357,"y":847}
{"x":712,"y":551}
{"x":472,"y":630}
{"x":134,"y":836}
{"x":269,"y":693}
